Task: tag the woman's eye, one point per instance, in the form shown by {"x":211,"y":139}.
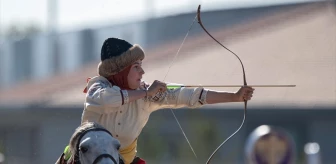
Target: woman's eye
{"x":138,"y":68}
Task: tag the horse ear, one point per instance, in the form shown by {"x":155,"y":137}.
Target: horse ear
{"x":84,"y":122}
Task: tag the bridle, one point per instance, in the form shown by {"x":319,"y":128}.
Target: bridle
{"x":76,"y":157}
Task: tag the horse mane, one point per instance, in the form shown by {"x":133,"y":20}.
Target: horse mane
{"x":78,"y":132}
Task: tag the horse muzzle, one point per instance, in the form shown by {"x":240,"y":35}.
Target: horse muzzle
{"x":99,"y":158}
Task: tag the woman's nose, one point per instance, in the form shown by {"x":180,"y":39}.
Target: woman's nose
{"x":142,"y":71}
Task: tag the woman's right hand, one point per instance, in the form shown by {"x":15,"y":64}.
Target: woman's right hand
{"x":157,"y":86}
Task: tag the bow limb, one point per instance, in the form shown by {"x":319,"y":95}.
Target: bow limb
{"x":201,"y":24}
{"x":244,"y":80}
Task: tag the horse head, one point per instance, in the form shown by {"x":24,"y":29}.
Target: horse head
{"x":91,"y":143}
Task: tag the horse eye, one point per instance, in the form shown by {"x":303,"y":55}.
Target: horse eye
{"x":118,"y":147}
{"x":83,"y":149}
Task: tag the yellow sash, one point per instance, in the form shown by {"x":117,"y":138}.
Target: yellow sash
{"x":129,"y":152}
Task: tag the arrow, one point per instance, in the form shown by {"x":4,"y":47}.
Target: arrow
{"x":226,"y":86}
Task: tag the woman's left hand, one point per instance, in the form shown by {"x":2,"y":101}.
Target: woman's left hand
{"x":245,"y":93}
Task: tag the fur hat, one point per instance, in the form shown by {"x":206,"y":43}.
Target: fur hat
{"x":116,"y":55}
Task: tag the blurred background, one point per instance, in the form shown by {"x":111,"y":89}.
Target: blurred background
{"x":48,"y":48}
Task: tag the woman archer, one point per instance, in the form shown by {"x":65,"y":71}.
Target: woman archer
{"x":119,"y":100}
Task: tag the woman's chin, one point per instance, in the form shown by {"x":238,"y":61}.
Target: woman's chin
{"x":135,"y":86}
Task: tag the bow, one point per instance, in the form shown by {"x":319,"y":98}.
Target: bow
{"x":244,"y":81}
{"x":198,"y":16}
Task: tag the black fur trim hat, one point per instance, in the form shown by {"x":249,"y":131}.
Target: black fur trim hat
{"x":116,"y":55}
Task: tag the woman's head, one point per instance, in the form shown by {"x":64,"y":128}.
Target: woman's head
{"x":135,"y":75}
{"x":121,"y":63}
{"x":130,"y":77}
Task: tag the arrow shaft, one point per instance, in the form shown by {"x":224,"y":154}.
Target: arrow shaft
{"x":231,"y":86}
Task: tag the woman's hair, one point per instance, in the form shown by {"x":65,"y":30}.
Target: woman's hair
{"x":116,"y":55}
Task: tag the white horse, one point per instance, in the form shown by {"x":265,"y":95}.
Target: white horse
{"x":91,"y":143}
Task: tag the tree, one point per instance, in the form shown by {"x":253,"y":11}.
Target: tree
{"x":21,"y":31}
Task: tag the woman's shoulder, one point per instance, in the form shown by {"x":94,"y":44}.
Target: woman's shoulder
{"x":97,"y":79}
{"x":100,"y":82}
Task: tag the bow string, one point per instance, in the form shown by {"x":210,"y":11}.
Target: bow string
{"x":185,"y":37}
{"x":198,"y":16}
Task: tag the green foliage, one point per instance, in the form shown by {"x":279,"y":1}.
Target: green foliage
{"x":158,"y":140}
{"x":2,"y":147}
{"x":17,"y":30}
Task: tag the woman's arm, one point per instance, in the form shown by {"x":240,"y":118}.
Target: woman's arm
{"x":244,"y":93}
{"x":136,"y":94}
{"x":214,"y":97}
{"x":144,"y":92}
{"x":196,"y":97}
{"x":101,"y":94}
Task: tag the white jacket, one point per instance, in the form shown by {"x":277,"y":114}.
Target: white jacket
{"x":109,"y":106}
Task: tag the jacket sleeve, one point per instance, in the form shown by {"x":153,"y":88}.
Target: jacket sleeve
{"x":103,"y":95}
{"x":179,"y":98}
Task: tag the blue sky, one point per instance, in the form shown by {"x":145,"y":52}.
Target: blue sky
{"x":74,"y":14}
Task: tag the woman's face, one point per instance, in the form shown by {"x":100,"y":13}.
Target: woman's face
{"x":135,"y":75}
